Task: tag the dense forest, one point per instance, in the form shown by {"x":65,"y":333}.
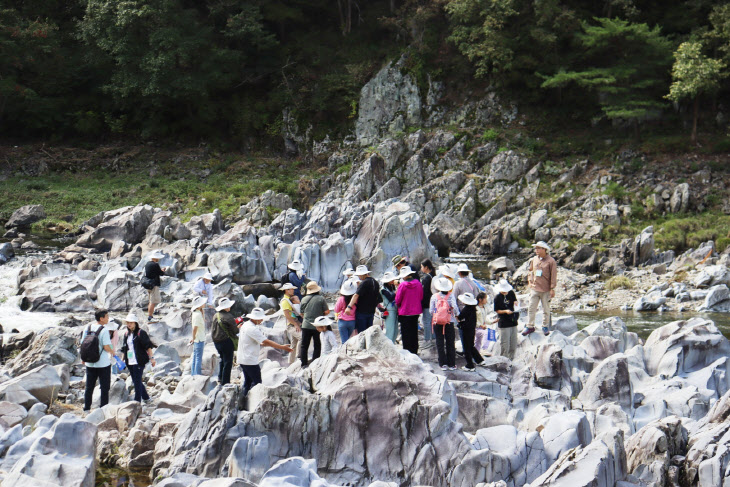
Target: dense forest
{"x":225,"y":69}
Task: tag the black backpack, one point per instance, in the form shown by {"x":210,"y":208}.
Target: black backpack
{"x":90,"y":351}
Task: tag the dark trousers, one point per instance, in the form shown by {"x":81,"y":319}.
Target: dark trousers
{"x":409,"y":332}
{"x":309,"y":335}
{"x":225,"y":350}
{"x":363,"y":321}
{"x":445,"y":344}
{"x":471,"y":354}
{"x":140,"y":391}
{"x":104,"y":374}
{"x":251,"y":376}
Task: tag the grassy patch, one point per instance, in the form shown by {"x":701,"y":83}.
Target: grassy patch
{"x":619,"y":282}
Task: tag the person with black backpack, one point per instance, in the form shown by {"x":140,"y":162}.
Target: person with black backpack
{"x":95,"y":340}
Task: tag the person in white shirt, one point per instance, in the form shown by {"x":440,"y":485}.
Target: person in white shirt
{"x":328,"y":339}
{"x":250,"y":340}
{"x":198,"y":339}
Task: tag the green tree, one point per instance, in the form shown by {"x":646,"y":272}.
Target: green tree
{"x":625,"y":64}
{"x":694,"y":75}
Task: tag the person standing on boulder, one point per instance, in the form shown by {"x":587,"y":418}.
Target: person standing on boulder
{"x":463,"y":285}
{"x":293,"y":318}
{"x":297,"y":277}
{"x":400,"y":261}
{"x":408,"y":299}
{"x":137,"y":349}
{"x":427,"y":271}
{"x":504,"y":306}
{"x":366,"y":299}
{"x":225,"y":338}
{"x":100,"y":370}
{"x":313,"y":306}
{"x":198,"y":339}
{"x":204,"y":287}
{"x":250,"y":341}
{"x":391,"y":310}
{"x":345,"y":317}
{"x":468,"y":324}
{"x":153,"y":271}
{"x":443,"y":316}
{"x":542,"y":278}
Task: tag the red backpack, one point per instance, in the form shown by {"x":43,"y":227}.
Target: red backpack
{"x":443,"y":313}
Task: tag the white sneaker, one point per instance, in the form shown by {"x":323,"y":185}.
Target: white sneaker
{"x":444,"y":367}
{"x":467,"y":369}
{"x":452,"y":368}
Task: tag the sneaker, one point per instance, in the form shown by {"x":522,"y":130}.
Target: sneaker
{"x":545,"y":330}
{"x":527,"y":331}
{"x":444,"y":367}
{"x":452,"y":368}
{"x":468,"y":369}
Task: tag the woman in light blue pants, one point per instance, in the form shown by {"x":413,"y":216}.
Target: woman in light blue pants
{"x":388,"y":293}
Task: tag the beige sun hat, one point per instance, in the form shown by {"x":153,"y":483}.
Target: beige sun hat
{"x":468,"y":298}
{"x":256,"y":314}
{"x":542,"y":244}
{"x":442,"y":284}
{"x":348,"y":288}
{"x":313,"y":287}
{"x":224,"y":303}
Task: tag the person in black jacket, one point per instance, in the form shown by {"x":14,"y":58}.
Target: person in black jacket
{"x":153,"y":271}
{"x":468,"y":323}
{"x":225,"y":338}
{"x":427,"y":273}
{"x":504,"y":306}
{"x":137,"y":349}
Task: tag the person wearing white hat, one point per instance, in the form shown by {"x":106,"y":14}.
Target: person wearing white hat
{"x":408,"y":299}
{"x":153,"y":272}
{"x":345,"y":317}
{"x":443,"y":318}
{"x":289,"y":305}
{"x":366,"y":299}
{"x":225,"y":338}
{"x":390,"y":314}
{"x":427,"y":274}
{"x":101,"y":369}
{"x":313,"y":306}
{"x":204,"y":287}
{"x":137,"y":350}
{"x":250,"y":341}
{"x":542,"y":279}
{"x":349,"y":273}
{"x":468,"y":324}
{"x":463,"y":285}
{"x":328,"y":339}
{"x":504,"y":306}
{"x":296,"y":277}
{"x":198,"y":339}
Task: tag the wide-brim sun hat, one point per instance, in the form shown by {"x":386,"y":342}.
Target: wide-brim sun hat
{"x":208,"y":276}
{"x":362,"y":270}
{"x":446,"y":271}
{"x":405,"y":271}
{"x":348,"y":288}
{"x":296,"y":265}
{"x":503,"y":286}
{"x":389,"y":277}
{"x":156,"y":255}
{"x":256,"y":314}
{"x":132,"y":317}
{"x":542,"y":244}
{"x":287,"y":286}
{"x":198,"y":302}
{"x":313,"y":287}
{"x":397,"y":259}
{"x":463,"y":268}
{"x":349,"y":272}
{"x":442,"y":284}
{"x":323,"y":321}
{"x":468,"y":298}
{"x":224,"y":303}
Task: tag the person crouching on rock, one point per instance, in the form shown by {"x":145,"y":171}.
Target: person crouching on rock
{"x":313,"y":306}
{"x":250,"y":340}
{"x":137,"y":349}
{"x":345,"y":315}
{"x":289,"y":304}
{"x":390,"y":313}
{"x":408,"y":299}
{"x":468,"y":322}
{"x":329,"y":341}
{"x":443,"y":317}
{"x":225,"y":338}
{"x":198,"y":339}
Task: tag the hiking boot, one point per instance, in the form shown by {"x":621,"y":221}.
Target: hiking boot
{"x":527,"y":331}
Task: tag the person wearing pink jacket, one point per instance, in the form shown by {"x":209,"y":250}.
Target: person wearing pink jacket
{"x":408,"y":299}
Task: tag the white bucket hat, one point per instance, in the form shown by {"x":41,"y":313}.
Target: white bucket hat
{"x":256,"y":314}
{"x":156,"y":255}
{"x":208,"y":276}
{"x":132,"y":317}
{"x":224,"y":303}
{"x":348,"y":288}
{"x":468,"y":298}
{"x":295,"y":265}
{"x":442,"y":284}
{"x":287,"y":286}
{"x":198,"y":302}
{"x":362,"y":270}
{"x":323,"y":321}
{"x":542,"y":244}
{"x":503,"y":286}
{"x":388,"y":277}
{"x":463,"y":268}
{"x":446,"y":271}
{"x":349,"y":272}
{"x":405,"y":271}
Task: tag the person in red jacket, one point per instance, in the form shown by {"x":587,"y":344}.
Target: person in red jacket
{"x":408,"y":299}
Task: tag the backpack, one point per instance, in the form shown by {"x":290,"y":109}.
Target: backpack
{"x":442,"y":316}
{"x":147,"y":283}
{"x":90,"y":351}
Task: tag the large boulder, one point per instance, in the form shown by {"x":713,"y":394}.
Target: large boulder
{"x":609,"y":382}
{"x":650,"y":450}
{"x":128,"y":224}
{"x":508,"y":166}
{"x":565,"y":431}
{"x":25,"y":216}
{"x":644,"y":246}
{"x":518,"y":455}
{"x":706,"y":461}
{"x":54,"y":346}
{"x":43,"y":383}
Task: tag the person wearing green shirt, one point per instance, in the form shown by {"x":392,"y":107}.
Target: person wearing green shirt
{"x":313,"y":306}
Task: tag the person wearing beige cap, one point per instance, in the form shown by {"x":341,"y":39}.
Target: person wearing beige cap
{"x":225,"y":338}
{"x":313,"y":306}
{"x":542,"y":279}
{"x":198,"y":339}
{"x":289,"y":305}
